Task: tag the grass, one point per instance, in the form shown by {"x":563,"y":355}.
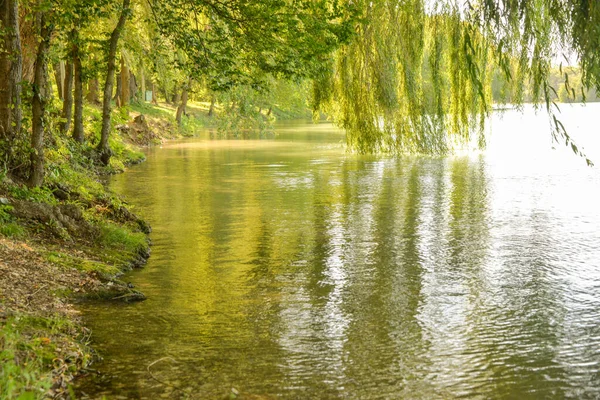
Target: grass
{"x":8,"y":226}
{"x":40,"y":352}
{"x":30,"y":348}
{"x":196,"y":120}
{"x":12,"y":230}
{"x":122,"y":239}
{"x":82,"y":264}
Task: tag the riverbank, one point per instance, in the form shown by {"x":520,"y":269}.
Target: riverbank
{"x":69,"y":241}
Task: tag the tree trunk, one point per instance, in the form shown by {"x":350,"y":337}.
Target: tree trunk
{"x":78,"y":135}
{"x":92,"y":94}
{"x":132,"y":88}
{"x":124,"y":96}
{"x":28,"y":40}
{"x":38,"y":102}
{"x":154,"y":95}
{"x":117,"y":96}
{"x":211,"y":110}
{"x":67,"y":111}
{"x":60,"y":76}
{"x":143,"y":81}
{"x":10,"y":84}
{"x":167,"y":97}
{"x":103,"y":147}
{"x":183,"y":104}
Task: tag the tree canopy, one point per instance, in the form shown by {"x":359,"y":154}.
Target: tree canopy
{"x":398,"y":75}
{"x":417,"y":76}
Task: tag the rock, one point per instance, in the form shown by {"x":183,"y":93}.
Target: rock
{"x":123,"y":128}
{"x":115,"y":291}
{"x":61,"y":194}
{"x":4,"y":201}
{"x":144,"y":226}
{"x":72,"y":211}
{"x":56,"y":219}
{"x":131,"y":297}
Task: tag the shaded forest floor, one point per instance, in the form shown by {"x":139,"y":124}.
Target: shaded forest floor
{"x":69,"y":241}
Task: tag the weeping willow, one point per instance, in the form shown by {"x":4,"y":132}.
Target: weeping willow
{"x":417,"y":75}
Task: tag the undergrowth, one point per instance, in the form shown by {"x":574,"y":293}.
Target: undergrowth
{"x":32,"y":349}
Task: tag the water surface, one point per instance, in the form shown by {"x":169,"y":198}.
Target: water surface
{"x":287,"y":268}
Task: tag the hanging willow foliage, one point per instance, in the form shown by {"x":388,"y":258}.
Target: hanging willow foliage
{"x":417,"y":76}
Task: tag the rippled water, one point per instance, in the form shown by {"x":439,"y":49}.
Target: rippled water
{"x":288,"y":268}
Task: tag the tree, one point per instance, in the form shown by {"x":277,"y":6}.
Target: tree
{"x":40,"y":97}
{"x":417,"y":76}
{"x":229,"y":42}
{"x":67,"y":111}
{"x":10,"y":70}
{"x":103,"y":146}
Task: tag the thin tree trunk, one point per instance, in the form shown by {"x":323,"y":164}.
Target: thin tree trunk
{"x":183,"y":104}
{"x":10,"y":82}
{"x":167,"y":97}
{"x":38,"y":102}
{"x":133,"y":88}
{"x":78,"y":135}
{"x":143,"y":81}
{"x":92,"y":94}
{"x":60,"y":76}
{"x":211,"y":110}
{"x":67,"y":111}
{"x":117,"y":96}
{"x":103,"y":147}
{"x":154,"y":95}
{"x":124,"y":95}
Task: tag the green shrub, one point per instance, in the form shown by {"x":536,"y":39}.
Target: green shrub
{"x":12,"y":230}
{"x":121,"y":238}
{"x":29,"y":348}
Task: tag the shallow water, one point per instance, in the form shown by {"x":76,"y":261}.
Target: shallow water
{"x":288,"y":268}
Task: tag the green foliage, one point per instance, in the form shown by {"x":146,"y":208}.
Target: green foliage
{"x":9,"y":227}
{"x":410,"y":81}
{"x":82,"y":264}
{"x":232,"y":42}
{"x":25,"y":379}
{"x":114,"y":237}
{"x":12,"y":230}
{"x":37,"y":194}
{"x":418,"y":75}
{"x":5,"y":215}
{"x":29,"y":347}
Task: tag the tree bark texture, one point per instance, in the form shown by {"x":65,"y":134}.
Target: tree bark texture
{"x":183,"y":104}
{"x":67,"y":111}
{"x":10,"y":78}
{"x":41,"y":93}
{"x":154,"y":94}
{"x":78,"y":135}
{"x":124,"y":96}
{"x":59,"y":76}
{"x":167,"y":96}
{"x":103,"y":147}
{"x":143,"y":81}
{"x":117,"y":96}
{"x":92,"y":94}
{"x":211,"y":110}
{"x":133,"y":88}
{"x":29,"y":42}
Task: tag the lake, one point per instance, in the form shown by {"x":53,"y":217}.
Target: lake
{"x":289,"y":268}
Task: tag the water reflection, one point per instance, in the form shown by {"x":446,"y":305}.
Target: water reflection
{"x":294,"y":270}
